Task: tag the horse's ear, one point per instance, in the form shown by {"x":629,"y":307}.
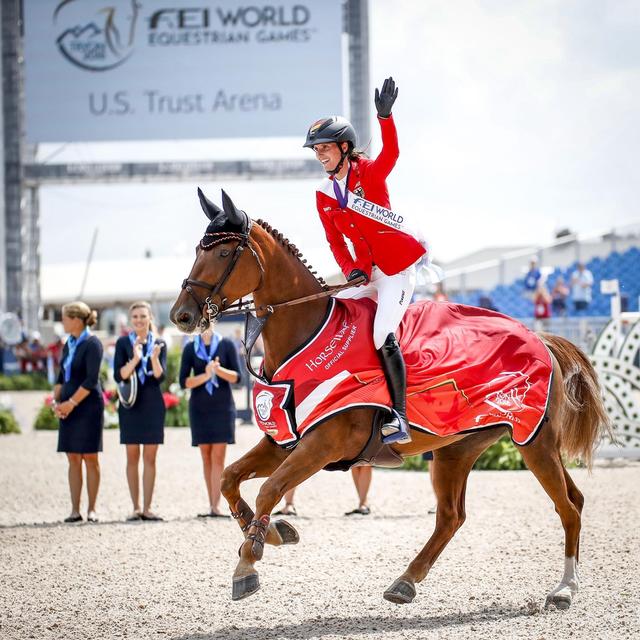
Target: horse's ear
{"x":211,"y":210}
{"x":234,"y":216}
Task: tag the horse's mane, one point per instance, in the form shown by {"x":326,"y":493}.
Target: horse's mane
{"x":292,"y":249}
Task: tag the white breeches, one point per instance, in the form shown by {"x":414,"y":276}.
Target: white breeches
{"x":393,"y":294}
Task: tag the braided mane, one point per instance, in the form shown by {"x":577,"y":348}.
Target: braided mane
{"x":293,"y":250}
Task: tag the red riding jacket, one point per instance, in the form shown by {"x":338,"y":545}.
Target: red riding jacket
{"x":374,"y":242}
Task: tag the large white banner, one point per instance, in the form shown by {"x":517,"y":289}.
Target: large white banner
{"x":172,"y":69}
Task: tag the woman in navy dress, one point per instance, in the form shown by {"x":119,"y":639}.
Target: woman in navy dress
{"x":142,"y":354}
{"x":209,"y":364}
{"x":79,"y":405}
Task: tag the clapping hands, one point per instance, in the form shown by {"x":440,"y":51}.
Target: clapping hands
{"x":213,"y":367}
{"x":137,"y":351}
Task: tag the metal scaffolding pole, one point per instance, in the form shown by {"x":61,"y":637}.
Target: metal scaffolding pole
{"x":357,"y":28}
{"x":12,"y":139}
{"x":31,"y":302}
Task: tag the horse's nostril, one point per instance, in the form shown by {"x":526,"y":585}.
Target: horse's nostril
{"x":184,"y":317}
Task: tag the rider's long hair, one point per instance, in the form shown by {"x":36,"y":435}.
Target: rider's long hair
{"x":356,"y":154}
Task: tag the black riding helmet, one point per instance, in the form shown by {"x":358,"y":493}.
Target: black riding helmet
{"x":333,"y":129}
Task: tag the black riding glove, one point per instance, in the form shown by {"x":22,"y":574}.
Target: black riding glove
{"x":357,"y":273}
{"x":384,"y":99}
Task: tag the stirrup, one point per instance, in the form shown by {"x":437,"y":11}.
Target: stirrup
{"x":395,"y":430}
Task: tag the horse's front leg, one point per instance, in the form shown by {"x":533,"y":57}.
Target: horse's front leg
{"x":313,"y":453}
{"x":259,"y":462}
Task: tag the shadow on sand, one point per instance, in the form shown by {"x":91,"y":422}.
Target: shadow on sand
{"x":362,"y":625}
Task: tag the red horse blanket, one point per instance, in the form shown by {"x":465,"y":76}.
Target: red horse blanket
{"x":467,"y":369}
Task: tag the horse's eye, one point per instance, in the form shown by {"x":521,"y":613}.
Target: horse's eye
{"x":224,"y":253}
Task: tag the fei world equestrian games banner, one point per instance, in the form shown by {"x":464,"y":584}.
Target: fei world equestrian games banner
{"x":174,"y":69}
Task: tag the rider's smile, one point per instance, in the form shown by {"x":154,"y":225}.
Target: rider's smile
{"x":328,"y":155}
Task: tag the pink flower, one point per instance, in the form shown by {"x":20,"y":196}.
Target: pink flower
{"x":170,"y":400}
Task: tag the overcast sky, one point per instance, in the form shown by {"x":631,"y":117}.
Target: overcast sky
{"x":515,"y":119}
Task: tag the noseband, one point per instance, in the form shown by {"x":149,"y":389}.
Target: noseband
{"x":209,"y":241}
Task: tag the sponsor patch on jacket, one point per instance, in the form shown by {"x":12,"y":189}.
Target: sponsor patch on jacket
{"x":376,"y":212}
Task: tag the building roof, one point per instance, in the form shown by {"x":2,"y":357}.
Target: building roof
{"x":120,"y":281}
{"x":112,"y":281}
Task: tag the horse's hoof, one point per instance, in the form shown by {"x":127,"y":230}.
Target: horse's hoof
{"x":560,"y":601}
{"x":400,"y":592}
{"x":246,"y":586}
{"x":287,"y":532}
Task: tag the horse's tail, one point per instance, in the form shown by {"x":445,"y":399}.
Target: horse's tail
{"x":584,"y":417}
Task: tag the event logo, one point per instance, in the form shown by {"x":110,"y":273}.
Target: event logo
{"x":510,"y":401}
{"x":97,"y":35}
{"x":233,"y":24}
{"x":376,"y":212}
{"x":264,"y":404}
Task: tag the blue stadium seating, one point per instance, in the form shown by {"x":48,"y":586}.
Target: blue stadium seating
{"x":625,"y":267}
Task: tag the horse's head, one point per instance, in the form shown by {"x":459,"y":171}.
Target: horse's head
{"x":226,"y":268}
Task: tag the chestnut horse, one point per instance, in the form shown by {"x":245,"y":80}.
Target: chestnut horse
{"x":237,"y":258}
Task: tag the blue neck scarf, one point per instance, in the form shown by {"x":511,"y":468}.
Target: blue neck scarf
{"x":200,"y":349}
{"x":147,"y":348}
{"x":342,"y":198}
{"x":73,"y":345}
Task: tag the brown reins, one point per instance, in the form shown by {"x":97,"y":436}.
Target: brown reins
{"x":214,"y":310}
{"x":253,"y":325}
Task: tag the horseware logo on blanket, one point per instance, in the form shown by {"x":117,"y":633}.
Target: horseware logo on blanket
{"x":511,"y":401}
{"x":264,"y":403}
{"x":335,"y":348}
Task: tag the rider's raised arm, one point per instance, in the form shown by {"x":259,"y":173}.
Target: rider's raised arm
{"x":387,"y":158}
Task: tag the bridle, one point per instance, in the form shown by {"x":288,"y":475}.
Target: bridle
{"x":214,"y":310}
{"x":208,"y":242}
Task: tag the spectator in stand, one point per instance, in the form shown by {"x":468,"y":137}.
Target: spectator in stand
{"x":439,"y":294}
{"x":541,"y":305}
{"x":38,"y":353}
{"x":54,"y":351}
{"x":531,"y":279}
{"x":581,"y":285}
{"x":559,"y":295}
{"x":485,"y":302}
{"x":23,"y":354}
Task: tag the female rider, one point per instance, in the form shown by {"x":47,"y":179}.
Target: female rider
{"x":353,"y":202}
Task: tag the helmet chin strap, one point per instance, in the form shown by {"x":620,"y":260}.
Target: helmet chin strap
{"x":343,"y":156}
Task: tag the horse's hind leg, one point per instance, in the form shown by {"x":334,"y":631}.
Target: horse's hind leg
{"x":576,"y":497}
{"x":259,"y":462}
{"x":543,"y":458}
{"x":452,"y":465}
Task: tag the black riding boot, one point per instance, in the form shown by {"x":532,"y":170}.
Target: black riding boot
{"x":395,"y":430}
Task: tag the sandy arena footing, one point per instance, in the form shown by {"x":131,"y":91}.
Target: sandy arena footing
{"x":173,"y":579}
